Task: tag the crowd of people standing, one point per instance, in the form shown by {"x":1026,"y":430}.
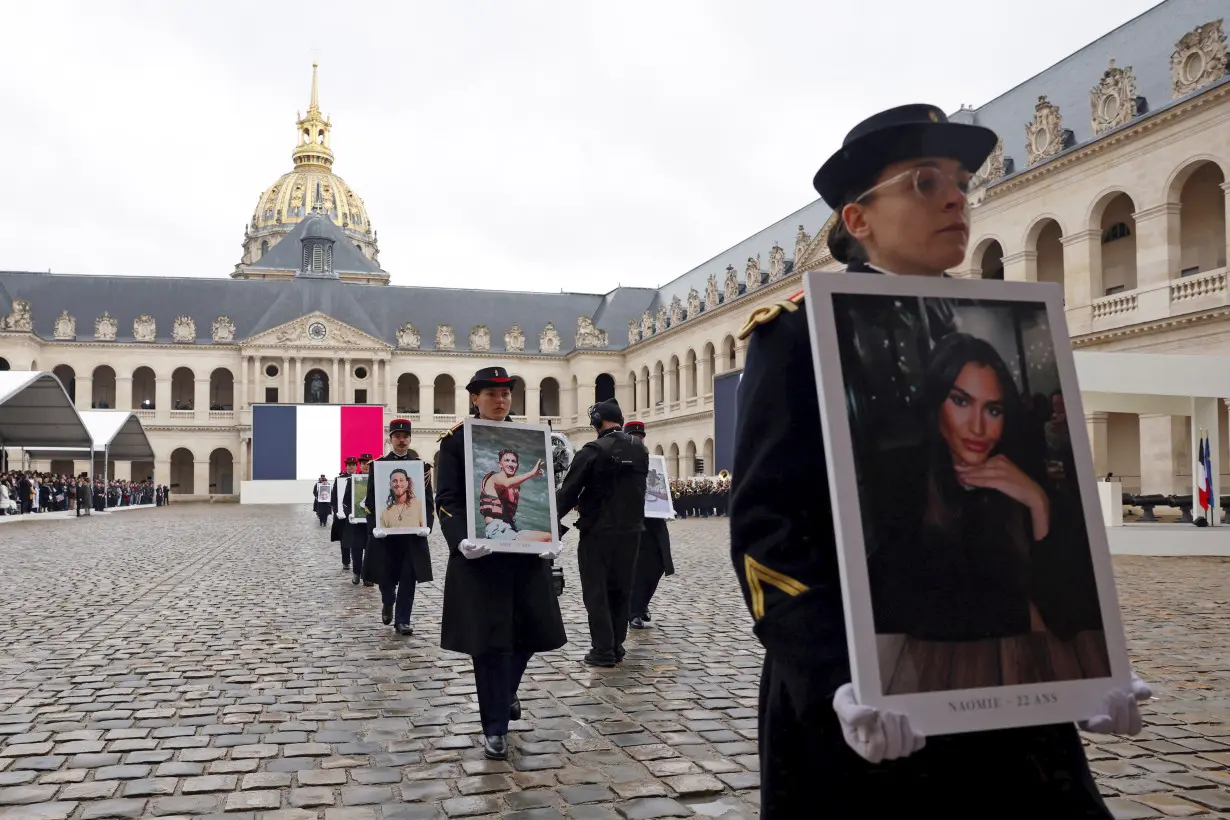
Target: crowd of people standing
{"x":25,"y":492}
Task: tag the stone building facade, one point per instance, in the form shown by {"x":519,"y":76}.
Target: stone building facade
{"x":1110,"y":181}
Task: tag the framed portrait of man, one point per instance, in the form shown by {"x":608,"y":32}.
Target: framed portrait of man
{"x":658,"y":503}
{"x":976,"y":575}
{"x":400,"y":497}
{"x":323,"y":493}
{"x":510,"y":486}
{"x":358,"y":498}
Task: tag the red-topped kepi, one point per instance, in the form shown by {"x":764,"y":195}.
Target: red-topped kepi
{"x":491,"y":377}
{"x":399,"y":426}
{"x":635,"y":428}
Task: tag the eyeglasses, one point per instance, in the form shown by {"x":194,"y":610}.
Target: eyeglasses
{"x":929,"y":183}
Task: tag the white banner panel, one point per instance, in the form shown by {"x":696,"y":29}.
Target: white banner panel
{"x":318,"y":440}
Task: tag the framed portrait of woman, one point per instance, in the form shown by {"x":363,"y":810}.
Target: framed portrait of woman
{"x":658,"y":503}
{"x":358,"y":498}
{"x":399,"y":498}
{"x":976,"y":576}
{"x":510,"y":486}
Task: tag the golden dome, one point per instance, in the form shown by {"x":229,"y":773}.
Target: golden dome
{"x":292,"y":198}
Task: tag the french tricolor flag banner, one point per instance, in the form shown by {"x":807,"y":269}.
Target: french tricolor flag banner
{"x":301,"y":441}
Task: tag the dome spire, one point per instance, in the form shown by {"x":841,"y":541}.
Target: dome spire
{"x":313,"y":148}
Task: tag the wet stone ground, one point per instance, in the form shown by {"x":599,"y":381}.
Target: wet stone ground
{"x":215,"y":660}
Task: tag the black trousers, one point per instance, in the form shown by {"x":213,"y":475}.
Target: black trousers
{"x":497,"y":676}
{"x":607,"y":564}
{"x":649,"y":571}
{"x":398,"y":586}
{"x":322,"y":514}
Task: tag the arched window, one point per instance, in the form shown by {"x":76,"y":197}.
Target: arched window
{"x":264,"y":249}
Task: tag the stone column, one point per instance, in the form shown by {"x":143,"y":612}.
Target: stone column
{"x":390,"y":386}
{"x":532,"y":413}
{"x":162,"y":471}
{"x":254,"y":383}
{"x":623,"y":394}
{"x":1158,"y":246}
{"x":241,"y":388}
{"x":347,"y":394}
{"x":705,"y":386}
{"x":686,"y":381}
{"x":461,"y":402}
{"x":1082,"y":277}
{"x":123,"y":392}
{"x":1206,"y":418}
{"x":1097,"y":425}
{"x":1162,"y":449}
{"x":740,"y":354}
{"x":1021,"y":266}
{"x":427,"y":399}
{"x":200,"y":476}
{"x":642,"y":391}
{"x":335,"y":387}
{"x":285,"y":392}
{"x":1225,"y":186}
{"x":162,"y":399}
{"x":85,"y":392}
{"x":200,"y":400}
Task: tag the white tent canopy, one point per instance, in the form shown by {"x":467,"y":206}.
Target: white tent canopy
{"x":118,"y":433}
{"x":1150,"y":383}
{"x":36,"y":412}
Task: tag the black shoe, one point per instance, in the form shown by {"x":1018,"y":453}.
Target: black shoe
{"x":404,"y":629}
{"x":345,"y":567}
{"x":592,"y":659}
{"x":369,"y":583}
{"x":645,"y":616}
{"x":355,"y":580}
{"x":386,"y":614}
{"x":514,"y":711}
{"x":637,"y":623}
{"x":620,"y":654}
{"x":495,"y":747}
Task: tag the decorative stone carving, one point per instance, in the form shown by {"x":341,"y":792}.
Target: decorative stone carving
{"x":19,"y":319}
{"x":675,"y":311}
{"x":514,"y":339}
{"x":752,"y":274}
{"x":291,"y":333}
{"x":1113,"y":100}
{"x":183,"y":330}
{"x":408,"y":337}
{"x":66,"y":326}
{"x":777,"y":263}
{"x":992,"y":169}
{"x":1044,"y":136}
{"x":480,"y":338}
{"x":660,"y":321}
{"x":801,"y":241}
{"x":588,"y":334}
{"x":693,"y":303}
{"x":144,"y":328}
{"x":711,"y":290}
{"x":1199,"y":58}
{"x":646,"y":325}
{"x":634,"y":332}
{"x":105,"y":328}
{"x":731,"y":286}
{"x":548,"y":340}
{"x":223,"y":330}
{"x":444,"y":337}
{"x":816,"y":252}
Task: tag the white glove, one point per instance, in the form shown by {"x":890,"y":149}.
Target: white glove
{"x":471,"y":550}
{"x":552,"y":552}
{"x":874,"y":736}
{"x":1120,"y":711}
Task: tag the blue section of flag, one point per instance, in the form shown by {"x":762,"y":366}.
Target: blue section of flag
{"x":273,"y":442}
{"x":1208,"y":471}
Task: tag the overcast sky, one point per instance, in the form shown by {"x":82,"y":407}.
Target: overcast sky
{"x":515,"y":145}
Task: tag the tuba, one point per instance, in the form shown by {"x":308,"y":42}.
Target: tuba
{"x":561,"y":456}
{"x":724,"y":474}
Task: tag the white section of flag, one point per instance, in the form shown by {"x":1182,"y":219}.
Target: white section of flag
{"x":318,"y":440}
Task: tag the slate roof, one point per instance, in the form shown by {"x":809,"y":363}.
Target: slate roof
{"x":1144,"y":43}
{"x":288,"y":253}
{"x":258,"y":305}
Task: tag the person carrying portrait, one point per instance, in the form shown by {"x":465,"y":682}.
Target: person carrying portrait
{"x":499,"y":608}
{"x":341,"y":484}
{"x":321,"y":508}
{"x":354,"y":535}
{"x":898,"y":188}
{"x":653,"y":558}
{"x":607,"y":486}
{"x":399,"y":562}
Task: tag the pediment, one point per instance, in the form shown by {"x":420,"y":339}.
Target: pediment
{"x":306,"y":332}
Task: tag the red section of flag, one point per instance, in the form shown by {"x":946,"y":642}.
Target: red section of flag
{"x":362,"y":431}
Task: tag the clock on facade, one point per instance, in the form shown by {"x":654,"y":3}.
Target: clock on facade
{"x":317,"y":331}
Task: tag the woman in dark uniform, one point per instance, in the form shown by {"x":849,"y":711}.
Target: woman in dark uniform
{"x":898,"y":185}
{"x":499,"y":608}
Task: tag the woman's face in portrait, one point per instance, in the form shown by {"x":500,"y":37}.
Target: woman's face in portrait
{"x":399,"y":484}
{"x":509,"y":464}
{"x":493,"y":402}
{"x":972,"y":416}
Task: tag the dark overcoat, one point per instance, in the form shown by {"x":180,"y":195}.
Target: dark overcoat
{"x":414,"y":547}
{"x":500,"y":602}
{"x":339,"y":485}
{"x":354,"y":536}
{"x":785,"y":555}
{"x":657,"y":536}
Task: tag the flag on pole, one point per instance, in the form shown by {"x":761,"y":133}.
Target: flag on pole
{"x":1208,"y":474}
{"x":1202,"y":478}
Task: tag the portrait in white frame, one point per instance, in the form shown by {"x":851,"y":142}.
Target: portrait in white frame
{"x":358,"y":498}
{"x":976,"y":576}
{"x":510,"y":486}
{"x":658,"y":502}
{"x":400,"y":498}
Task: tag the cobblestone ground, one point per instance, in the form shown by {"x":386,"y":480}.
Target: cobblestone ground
{"x":215,"y":659}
